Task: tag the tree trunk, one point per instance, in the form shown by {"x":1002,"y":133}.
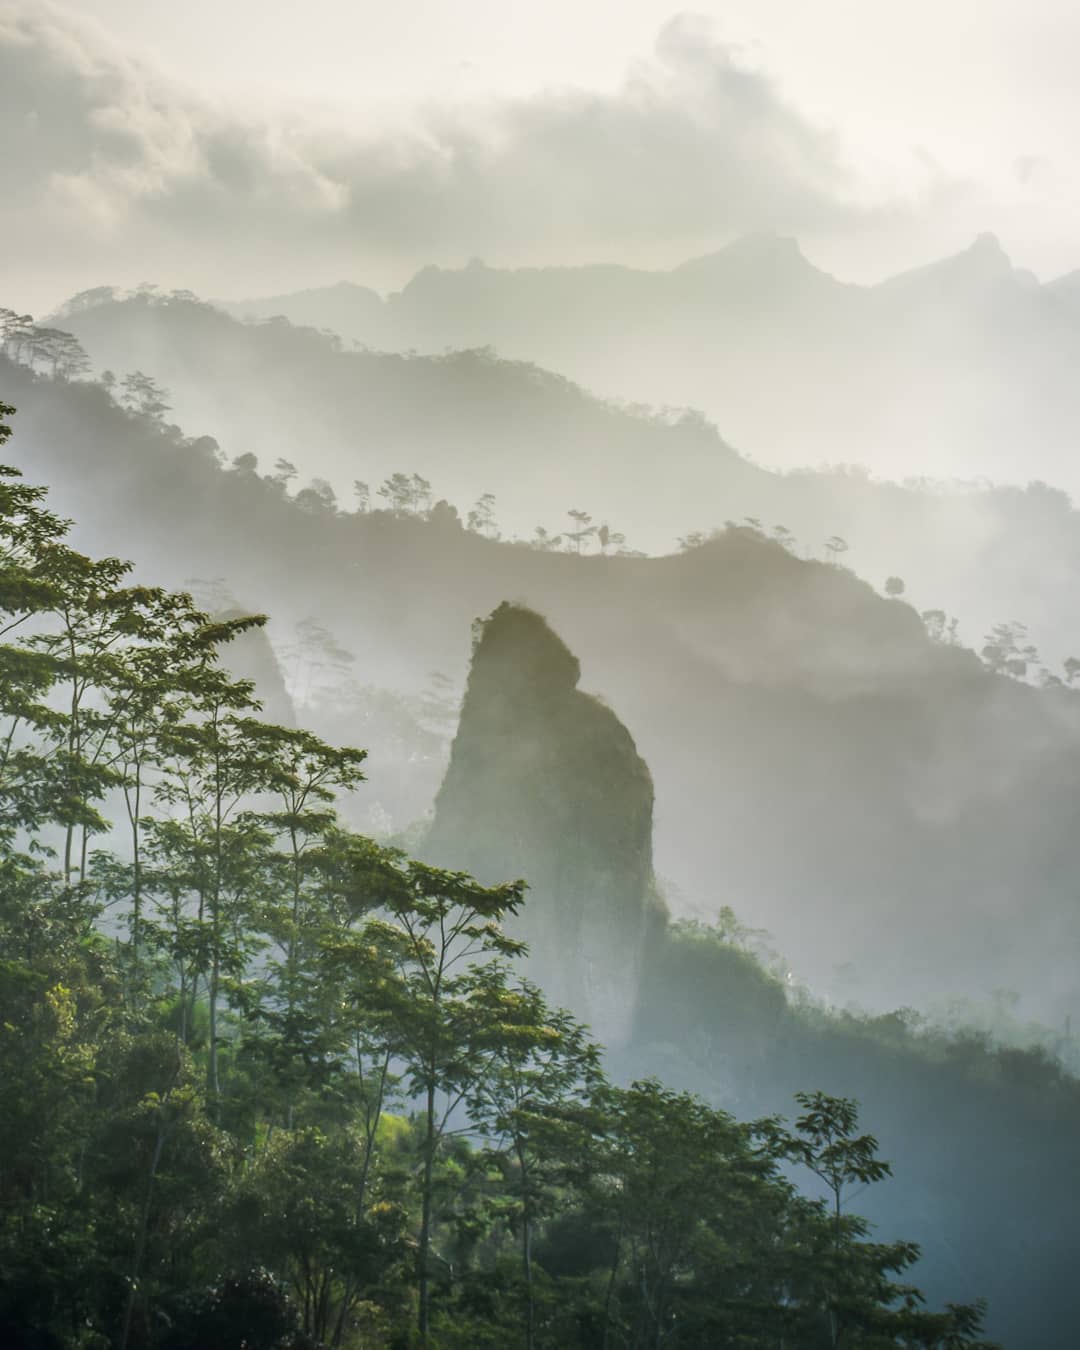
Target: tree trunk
{"x":425,"y":1221}
{"x":611,"y":1286}
{"x":144,"y":1224}
{"x":134,"y":808}
{"x":215,"y":1086}
{"x":530,"y":1303}
{"x":526,"y":1253}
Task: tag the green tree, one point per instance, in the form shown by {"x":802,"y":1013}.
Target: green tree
{"x":443,"y":926}
{"x":860,"y":1294}
{"x":540,"y":1060}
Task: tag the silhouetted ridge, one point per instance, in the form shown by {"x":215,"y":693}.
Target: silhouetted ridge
{"x":983,"y":263}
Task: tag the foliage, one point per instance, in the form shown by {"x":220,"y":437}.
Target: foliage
{"x":270,"y":1083}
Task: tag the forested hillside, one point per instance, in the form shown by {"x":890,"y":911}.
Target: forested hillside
{"x":543,"y":775}
{"x":821,"y":763}
{"x":269,"y":1083}
{"x":539,"y":676}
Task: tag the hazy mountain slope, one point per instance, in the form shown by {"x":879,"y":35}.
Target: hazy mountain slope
{"x":345,"y":308}
{"x":903,"y":822}
{"x":962,"y":368}
{"x":467,"y":422}
{"x":543,"y":777}
{"x":471,"y":424}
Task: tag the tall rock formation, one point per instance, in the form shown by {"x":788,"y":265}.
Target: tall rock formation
{"x":545,"y":783}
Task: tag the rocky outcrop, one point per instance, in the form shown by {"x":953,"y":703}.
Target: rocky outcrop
{"x":545,"y":783}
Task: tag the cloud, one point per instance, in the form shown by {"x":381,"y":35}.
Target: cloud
{"x":109,"y":166}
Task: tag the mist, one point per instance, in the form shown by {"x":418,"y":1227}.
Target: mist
{"x":539,"y":677}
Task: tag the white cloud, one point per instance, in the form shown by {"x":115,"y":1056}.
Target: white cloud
{"x":113,"y":170}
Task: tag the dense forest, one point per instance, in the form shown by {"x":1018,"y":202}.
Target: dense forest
{"x":272,"y":1083}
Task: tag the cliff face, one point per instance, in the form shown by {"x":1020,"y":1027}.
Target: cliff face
{"x":545,"y":783}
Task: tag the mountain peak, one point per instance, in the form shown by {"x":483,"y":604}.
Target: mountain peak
{"x":986,"y":253}
{"x":983,"y":263}
{"x":987,"y":244}
{"x":750,"y":250}
{"x":774,"y":256}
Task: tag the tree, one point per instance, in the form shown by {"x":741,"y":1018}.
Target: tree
{"x":444,"y":924}
{"x":784,"y":537}
{"x":858,"y":1280}
{"x":60,"y":353}
{"x":540,"y":1061}
{"x":213,"y":760}
{"x":583,"y":521}
{"x":673,"y":1179}
{"x":444,"y":516}
{"x":939,"y":627}
{"x":608,"y":538}
{"x":1007,"y":651}
{"x":16,"y":334}
{"x":406,"y":494}
{"x":481,"y":519}
{"x":546,"y":543}
{"x":319,"y":498}
{"x":142,"y":395}
{"x":304,"y":775}
{"x":88,"y":299}
{"x":145,"y":690}
{"x":836,"y":546}
{"x":319,"y":664}
{"x":284,"y":472}
{"x":894,"y":587}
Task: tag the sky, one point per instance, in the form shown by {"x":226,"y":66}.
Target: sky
{"x":240,"y":148}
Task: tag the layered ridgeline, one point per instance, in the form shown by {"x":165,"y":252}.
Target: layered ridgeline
{"x":471,"y":425}
{"x":270,"y":1083}
{"x":960,"y":368}
{"x":545,"y":780}
{"x":901,"y":819}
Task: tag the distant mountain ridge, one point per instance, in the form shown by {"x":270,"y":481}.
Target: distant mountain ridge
{"x":471,"y":424}
{"x":961,"y":368}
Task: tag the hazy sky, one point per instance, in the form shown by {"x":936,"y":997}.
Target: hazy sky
{"x":236,"y":146}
